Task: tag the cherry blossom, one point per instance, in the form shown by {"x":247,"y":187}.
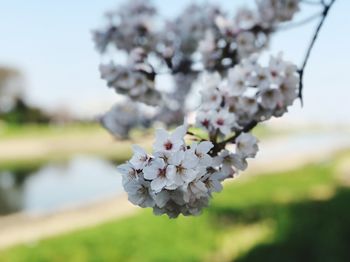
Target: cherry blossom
{"x":169,"y":142}
{"x":140,"y":158}
{"x":159,"y":173}
{"x":208,"y":53}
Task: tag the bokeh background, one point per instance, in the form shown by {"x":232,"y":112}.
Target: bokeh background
{"x":60,"y":194}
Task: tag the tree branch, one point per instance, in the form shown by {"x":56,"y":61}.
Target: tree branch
{"x":312,"y":43}
{"x":219,"y":146}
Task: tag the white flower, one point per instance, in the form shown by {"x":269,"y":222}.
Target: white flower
{"x":182,"y":166}
{"x":139,"y":193}
{"x":158,"y":172}
{"x":128,"y":172}
{"x":201,"y":151}
{"x":170,"y":142}
{"x":239,"y":162}
{"x":212,"y":181}
{"x":108,"y":72}
{"x":225,"y":25}
{"x":195,"y":190}
{"x":211,"y":96}
{"x":245,"y":18}
{"x":249,"y":105}
{"x":229,"y":162}
{"x":270,"y":98}
{"x":289,"y":89}
{"x":140,"y":158}
{"x":246,"y":43}
{"x":203,"y":119}
{"x":224,"y":121}
{"x":139,"y":85}
{"x":276,"y":68}
{"x":287,"y":9}
{"x":162,"y":198}
{"x":263,"y":78}
{"x":246,"y":145}
{"x":236,"y":81}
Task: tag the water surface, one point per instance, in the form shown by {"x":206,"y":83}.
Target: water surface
{"x":56,"y":186}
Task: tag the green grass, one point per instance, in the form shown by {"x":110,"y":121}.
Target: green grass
{"x":300,"y":215}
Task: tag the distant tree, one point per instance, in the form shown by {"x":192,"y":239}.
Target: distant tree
{"x":11,"y":88}
{"x":13,"y":107}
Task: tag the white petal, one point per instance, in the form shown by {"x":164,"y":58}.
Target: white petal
{"x":173,"y":178}
{"x":161,"y":135}
{"x":239,"y":162}
{"x":179,"y":132}
{"x":228,"y":170}
{"x":206,"y":160}
{"x":204,"y":147}
{"x":216,"y":186}
{"x":176,"y":158}
{"x":149,"y":172}
{"x":158,"y":184}
{"x":190,"y":160}
{"x":124,"y":168}
{"x":139,"y":150}
{"x":162,"y":198}
{"x":189,"y":175}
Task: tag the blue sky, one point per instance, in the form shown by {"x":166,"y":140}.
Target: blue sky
{"x":50,"y":42}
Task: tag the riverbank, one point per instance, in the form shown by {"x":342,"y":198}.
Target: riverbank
{"x":32,"y":147}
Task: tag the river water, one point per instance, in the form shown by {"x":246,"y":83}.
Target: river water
{"x":54,"y":186}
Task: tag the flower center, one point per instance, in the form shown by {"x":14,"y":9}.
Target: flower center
{"x":168,"y":145}
{"x":199,"y":154}
{"x":220,"y":121}
{"x":180,"y":169}
{"x":274,"y":73}
{"x":142,"y":190}
{"x":161,"y":172}
{"x":205,"y":123}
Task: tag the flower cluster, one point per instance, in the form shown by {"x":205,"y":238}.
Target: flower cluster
{"x":123,"y":117}
{"x":272,"y":11}
{"x":250,"y":92}
{"x":237,"y":92}
{"x":179,"y":179}
{"x":136,"y":80}
{"x":203,"y":37}
{"x":130,"y":26}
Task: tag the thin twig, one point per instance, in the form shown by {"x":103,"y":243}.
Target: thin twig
{"x":313,"y":40}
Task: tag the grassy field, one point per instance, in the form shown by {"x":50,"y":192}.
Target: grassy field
{"x":302,"y":215}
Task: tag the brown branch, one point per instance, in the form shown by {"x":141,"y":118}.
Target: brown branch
{"x":312,"y":43}
{"x":219,"y":146}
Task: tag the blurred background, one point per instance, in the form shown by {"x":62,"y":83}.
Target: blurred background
{"x":61,"y":196}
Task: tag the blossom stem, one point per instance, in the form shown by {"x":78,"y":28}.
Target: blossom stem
{"x":312,"y":43}
{"x":219,"y":146}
